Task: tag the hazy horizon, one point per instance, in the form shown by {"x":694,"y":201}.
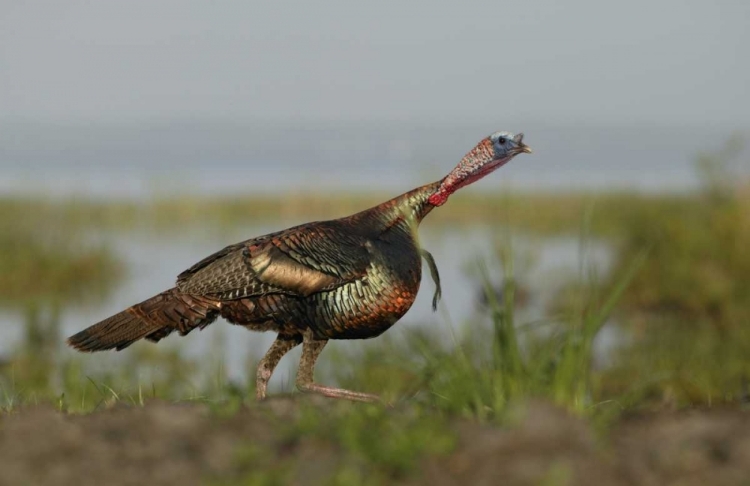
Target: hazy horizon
{"x":142,"y":159}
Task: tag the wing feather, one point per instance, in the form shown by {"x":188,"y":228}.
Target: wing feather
{"x":299,"y":261}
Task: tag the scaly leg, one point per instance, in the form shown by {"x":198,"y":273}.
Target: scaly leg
{"x":278,"y":349}
{"x":311,"y":349}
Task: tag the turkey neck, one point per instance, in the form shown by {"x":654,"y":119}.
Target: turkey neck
{"x":405,"y":211}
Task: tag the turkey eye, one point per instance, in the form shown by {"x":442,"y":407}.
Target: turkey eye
{"x":501,"y":140}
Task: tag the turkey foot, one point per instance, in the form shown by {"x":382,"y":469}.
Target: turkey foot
{"x":331,"y":392}
{"x":311,"y":349}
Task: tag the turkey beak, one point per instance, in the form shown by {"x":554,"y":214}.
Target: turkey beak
{"x":522,"y":147}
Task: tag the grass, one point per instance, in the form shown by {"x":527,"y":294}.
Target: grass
{"x":544,"y":214}
{"x":354,"y":444}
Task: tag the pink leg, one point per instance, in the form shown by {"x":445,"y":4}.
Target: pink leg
{"x":311,"y":349}
{"x":278,"y":349}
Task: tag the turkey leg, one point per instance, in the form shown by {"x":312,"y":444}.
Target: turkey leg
{"x":281,"y":346}
{"x":311,"y":349}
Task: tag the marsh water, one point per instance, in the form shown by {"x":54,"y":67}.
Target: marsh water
{"x":140,"y":160}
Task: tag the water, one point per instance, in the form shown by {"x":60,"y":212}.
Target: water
{"x":133,"y":161}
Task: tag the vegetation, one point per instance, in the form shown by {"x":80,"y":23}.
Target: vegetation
{"x":688,"y":310}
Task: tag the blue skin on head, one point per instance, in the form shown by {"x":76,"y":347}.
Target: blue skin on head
{"x":505,"y":143}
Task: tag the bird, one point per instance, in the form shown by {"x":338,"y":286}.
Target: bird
{"x":346,"y":278}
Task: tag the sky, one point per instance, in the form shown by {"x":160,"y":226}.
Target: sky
{"x":583,"y":61}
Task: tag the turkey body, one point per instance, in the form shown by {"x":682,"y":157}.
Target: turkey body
{"x":355,"y":285}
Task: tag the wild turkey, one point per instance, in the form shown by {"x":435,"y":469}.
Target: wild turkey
{"x":348,"y":278}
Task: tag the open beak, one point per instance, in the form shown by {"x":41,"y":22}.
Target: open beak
{"x":522,"y":147}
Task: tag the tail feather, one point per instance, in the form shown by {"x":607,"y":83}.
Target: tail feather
{"x":119,"y":331}
{"x":152,"y":319}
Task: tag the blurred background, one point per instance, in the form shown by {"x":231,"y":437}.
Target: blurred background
{"x":136,"y":137}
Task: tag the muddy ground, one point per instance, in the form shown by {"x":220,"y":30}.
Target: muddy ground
{"x":188,"y":443}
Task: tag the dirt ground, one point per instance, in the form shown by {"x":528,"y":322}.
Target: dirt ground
{"x":187,"y":444}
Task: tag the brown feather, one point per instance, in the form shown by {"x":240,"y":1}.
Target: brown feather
{"x":154,"y":318}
